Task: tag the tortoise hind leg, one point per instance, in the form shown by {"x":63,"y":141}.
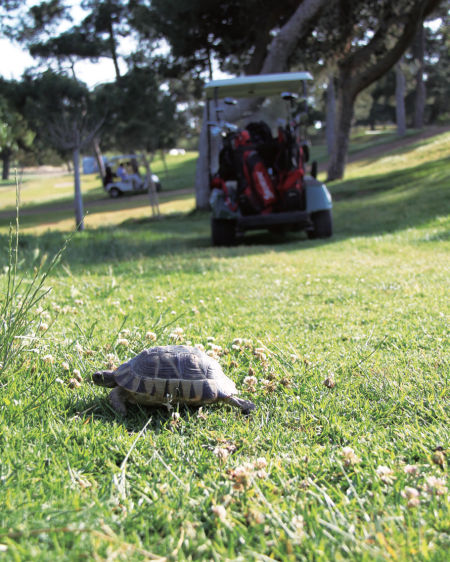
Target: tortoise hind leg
{"x":245,"y":405}
{"x":117,"y":398}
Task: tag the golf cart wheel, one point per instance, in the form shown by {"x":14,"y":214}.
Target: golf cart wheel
{"x":223,"y":232}
{"x":114,"y":193}
{"x":323,"y":225}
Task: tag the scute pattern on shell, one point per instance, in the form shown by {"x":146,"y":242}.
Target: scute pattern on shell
{"x":176,"y":372}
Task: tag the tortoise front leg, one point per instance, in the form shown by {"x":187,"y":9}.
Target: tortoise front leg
{"x":117,"y":398}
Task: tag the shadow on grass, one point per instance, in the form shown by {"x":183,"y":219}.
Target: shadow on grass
{"x":387,"y":203}
{"x":137,"y":415}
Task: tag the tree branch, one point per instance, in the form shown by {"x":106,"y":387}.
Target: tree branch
{"x":291,"y":33}
{"x":359,"y":63}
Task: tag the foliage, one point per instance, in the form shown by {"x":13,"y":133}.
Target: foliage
{"x":15,"y":132}
{"x":140,"y":114}
{"x":228,"y":31}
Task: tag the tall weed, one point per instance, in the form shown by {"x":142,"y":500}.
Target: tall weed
{"x":20,"y":298}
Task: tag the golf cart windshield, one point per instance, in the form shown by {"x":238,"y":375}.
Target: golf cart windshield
{"x":258,"y":85}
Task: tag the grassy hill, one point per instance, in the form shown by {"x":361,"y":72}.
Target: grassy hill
{"x":342,"y":344}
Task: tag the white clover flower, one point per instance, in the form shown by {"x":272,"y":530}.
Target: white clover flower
{"x":349,"y":456}
{"x":111,"y":361}
{"x":220,"y":512}
{"x":215,"y":348}
{"x":123,"y":341}
{"x":73,"y":383}
{"x":221,"y":453}
{"x":201,"y":414}
{"x":411,"y":469}
{"x":48,"y":359}
{"x":385,"y":474}
{"x":200,"y":346}
{"x":43,"y":326}
{"x":151,"y":336}
{"x":65,"y":366}
{"x":298,"y":524}
{"x":77,"y":375}
{"x":412,"y":495}
{"x":250,"y":382}
{"x":260,"y":463}
{"x":79,"y":348}
{"x":242,"y":476}
{"x":435,"y":486}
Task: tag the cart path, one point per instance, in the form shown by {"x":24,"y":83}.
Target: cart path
{"x":105,"y":202}
{"x":391,"y":146}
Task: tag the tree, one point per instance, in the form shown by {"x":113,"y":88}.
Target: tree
{"x":15,"y":132}
{"x":240,"y":35}
{"x":437,"y":70}
{"x":400,"y":87}
{"x":141,"y":116}
{"x":418,"y":49}
{"x":60,"y":108}
{"x":392,"y":29}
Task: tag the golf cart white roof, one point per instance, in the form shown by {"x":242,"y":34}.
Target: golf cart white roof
{"x":257,"y":85}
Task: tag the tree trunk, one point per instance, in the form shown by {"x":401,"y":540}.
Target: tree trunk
{"x":98,"y":156}
{"x":113,"y":48}
{"x":400,"y":113}
{"x":331,"y":115}
{"x":153,"y":196}
{"x":79,"y":219}
{"x":345,"y":101}
{"x":164,"y":161}
{"x":289,"y":35}
{"x":6,"y":162}
{"x":419,"y":100}
{"x":202,"y":169}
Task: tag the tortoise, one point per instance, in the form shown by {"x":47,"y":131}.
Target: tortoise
{"x":169,"y":374}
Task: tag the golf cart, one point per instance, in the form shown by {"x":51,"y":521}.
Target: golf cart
{"x":261,"y":182}
{"x":132,"y":183}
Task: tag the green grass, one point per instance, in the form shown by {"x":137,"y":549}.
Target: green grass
{"x":57,"y":187}
{"x":367,"y":309}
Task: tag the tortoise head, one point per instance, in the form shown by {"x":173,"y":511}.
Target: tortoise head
{"x":104,"y":378}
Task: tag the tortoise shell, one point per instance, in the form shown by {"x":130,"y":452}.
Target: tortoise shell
{"x":174,"y":373}
{"x":168,"y":374}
